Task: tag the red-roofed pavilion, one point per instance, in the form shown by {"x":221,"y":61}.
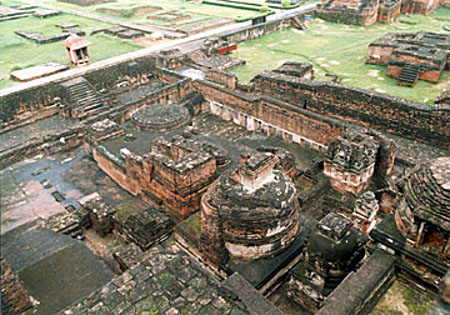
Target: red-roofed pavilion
{"x":77,"y":49}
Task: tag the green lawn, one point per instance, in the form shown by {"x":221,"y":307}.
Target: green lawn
{"x":17,"y":52}
{"x":342,"y":49}
{"x":197,"y":12}
{"x":401,"y":299}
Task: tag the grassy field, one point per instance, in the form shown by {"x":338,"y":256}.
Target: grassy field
{"x":17,"y":52}
{"x":197,"y":12}
{"x":401,"y":299}
{"x":342,"y":49}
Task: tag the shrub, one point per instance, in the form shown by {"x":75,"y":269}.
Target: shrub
{"x":264,"y":9}
{"x":285,"y":3}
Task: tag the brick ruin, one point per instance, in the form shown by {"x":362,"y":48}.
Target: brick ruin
{"x":427,"y":197}
{"x":333,"y":230}
{"x":255,"y":195}
{"x":351,"y":161}
{"x":14,"y":298}
{"x":172,"y":176}
{"x":334,"y":249}
{"x":367,"y":12}
{"x":348,"y":104}
{"x":412,"y":56}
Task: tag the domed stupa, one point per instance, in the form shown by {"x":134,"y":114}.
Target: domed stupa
{"x":334,"y":248}
{"x":161,"y":117}
{"x":427,"y":199}
{"x":249,"y":213}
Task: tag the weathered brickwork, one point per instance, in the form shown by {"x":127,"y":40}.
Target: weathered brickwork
{"x":412,"y":56}
{"x":249,"y":214}
{"x":40,"y":102}
{"x":15,"y":299}
{"x":166,"y":282}
{"x":354,"y":158}
{"x":354,"y":12}
{"x":427,"y":123}
{"x":293,"y":123}
{"x":172,"y":177}
{"x":419,"y":6}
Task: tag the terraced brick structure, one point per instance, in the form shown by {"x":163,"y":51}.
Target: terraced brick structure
{"x":412,"y":56}
{"x":353,"y":158}
{"x":428,"y":196}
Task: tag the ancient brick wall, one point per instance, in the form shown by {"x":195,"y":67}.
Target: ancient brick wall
{"x":31,"y":103}
{"x":388,"y":13}
{"x":364,"y":17}
{"x":427,"y":123}
{"x":255,"y":31}
{"x":50,"y":144}
{"x":226,"y":79}
{"x":15,"y":299}
{"x":136,"y":71}
{"x":419,"y":6}
{"x":177,"y":193}
{"x":115,"y":168}
{"x":271,"y":112}
{"x":379,"y":54}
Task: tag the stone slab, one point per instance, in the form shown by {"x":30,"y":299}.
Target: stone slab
{"x":36,"y":72}
{"x":251,"y":298}
{"x":67,"y":25}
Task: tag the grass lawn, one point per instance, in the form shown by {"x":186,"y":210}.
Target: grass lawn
{"x":17,"y":52}
{"x":342,"y":50}
{"x":197,"y":12}
{"x":401,"y":299}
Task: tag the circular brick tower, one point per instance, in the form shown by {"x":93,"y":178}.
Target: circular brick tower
{"x":249,"y":213}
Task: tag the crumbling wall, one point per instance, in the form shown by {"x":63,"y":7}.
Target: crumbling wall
{"x":135,"y":72}
{"x":388,"y":11}
{"x":226,"y":79}
{"x":50,"y":144}
{"x":31,"y":103}
{"x":364,"y":14}
{"x":255,"y":31}
{"x":15,"y":299}
{"x":419,"y":6}
{"x":272,"y":116}
{"x":417,"y":121}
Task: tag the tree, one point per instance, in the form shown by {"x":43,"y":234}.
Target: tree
{"x":285,"y":3}
{"x":264,"y":9}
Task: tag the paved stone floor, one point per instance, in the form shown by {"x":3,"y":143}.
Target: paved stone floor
{"x":55,"y":269}
{"x":166,"y":282}
{"x":26,"y":189}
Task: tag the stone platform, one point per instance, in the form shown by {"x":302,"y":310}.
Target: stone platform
{"x":262,"y":274}
{"x":37,"y":72}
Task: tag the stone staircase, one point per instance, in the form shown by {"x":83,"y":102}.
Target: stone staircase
{"x":84,"y":100}
{"x":409,"y":75}
{"x":299,"y":23}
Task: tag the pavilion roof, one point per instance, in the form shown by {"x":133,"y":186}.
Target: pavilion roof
{"x":75,"y":42}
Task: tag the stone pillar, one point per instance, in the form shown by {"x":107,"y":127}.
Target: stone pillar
{"x":212,"y":245}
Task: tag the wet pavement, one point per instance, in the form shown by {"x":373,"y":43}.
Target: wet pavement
{"x":56,"y":269}
{"x":29,"y":189}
